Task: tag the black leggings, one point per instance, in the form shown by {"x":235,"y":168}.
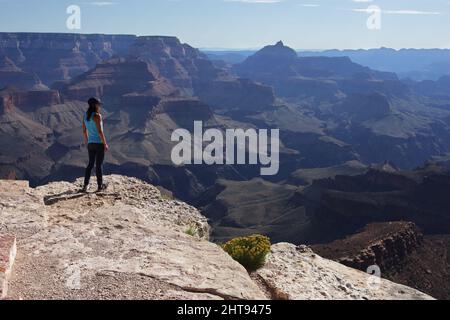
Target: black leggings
{"x":96,"y":156}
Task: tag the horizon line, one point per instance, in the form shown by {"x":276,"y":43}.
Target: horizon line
{"x":220,"y":49}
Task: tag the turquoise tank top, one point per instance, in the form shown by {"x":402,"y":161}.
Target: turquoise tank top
{"x":93,"y":135}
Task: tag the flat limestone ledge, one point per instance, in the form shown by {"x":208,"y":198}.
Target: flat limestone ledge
{"x":8,"y":252}
{"x":8,"y":186}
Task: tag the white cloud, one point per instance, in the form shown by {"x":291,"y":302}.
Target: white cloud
{"x":404,"y":12}
{"x":102,"y":3}
{"x":413,"y":12}
{"x":255,"y":1}
{"x":309,"y":5}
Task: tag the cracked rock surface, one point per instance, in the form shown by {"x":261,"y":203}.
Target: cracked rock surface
{"x":297,"y":273}
{"x":126,"y":243}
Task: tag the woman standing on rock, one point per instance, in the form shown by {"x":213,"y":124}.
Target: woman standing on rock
{"x":95,"y":139}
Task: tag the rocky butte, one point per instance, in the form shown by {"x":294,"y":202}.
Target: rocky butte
{"x":131,"y":242}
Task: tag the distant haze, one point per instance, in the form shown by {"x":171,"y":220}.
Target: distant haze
{"x":416,"y":64}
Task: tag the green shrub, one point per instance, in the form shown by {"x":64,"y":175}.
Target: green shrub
{"x":251,"y":252}
{"x":167,"y":197}
{"x":192,"y":231}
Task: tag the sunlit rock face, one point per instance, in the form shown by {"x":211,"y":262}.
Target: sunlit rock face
{"x":180,"y":63}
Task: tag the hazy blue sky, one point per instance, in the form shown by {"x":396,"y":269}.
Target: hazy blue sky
{"x":301,"y":24}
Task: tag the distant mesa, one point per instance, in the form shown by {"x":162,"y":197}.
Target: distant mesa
{"x":273,"y":54}
{"x":318,"y":78}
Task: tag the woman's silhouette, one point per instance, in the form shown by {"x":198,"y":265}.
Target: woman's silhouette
{"x":95,"y":139}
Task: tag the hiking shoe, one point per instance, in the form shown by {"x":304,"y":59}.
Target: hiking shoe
{"x":103,"y":187}
{"x":84,"y":189}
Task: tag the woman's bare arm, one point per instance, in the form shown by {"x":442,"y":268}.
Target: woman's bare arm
{"x":97,"y":121}
{"x":85,"y":133}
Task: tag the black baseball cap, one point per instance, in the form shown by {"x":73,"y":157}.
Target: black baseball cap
{"x":94,"y":101}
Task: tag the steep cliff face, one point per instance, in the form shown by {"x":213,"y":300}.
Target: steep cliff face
{"x":56,"y":57}
{"x":113,"y":78}
{"x":402,"y":252}
{"x":132,"y":243}
{"x":228,"y":203}
{"x":11,"y":75}
{"x":236,"y":94}
{"x":62,"y":57}
{"x":360,"y":107}
{"x":7,"y":65}
{"x":30,"y":124}
{"x":184,"y":111}
{"x":23,"y":140}
{"x":6,"y":103}
{"x":345,"y":204}
{"x":182,"y":64}
{"x":384,"y":244}
{"x":29,"y":101}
